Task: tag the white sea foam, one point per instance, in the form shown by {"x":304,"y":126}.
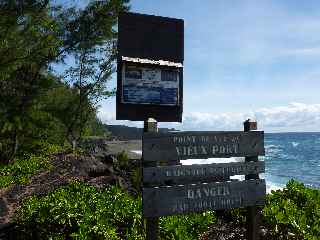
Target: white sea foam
{"x":273,"y":187}
{"x":267,"y":146}
{"x":202,"y":161}
{"x":295,"y":144}
{"x":137,"y":152}
{"x":209,"y":161}
{"x":273,"y":149}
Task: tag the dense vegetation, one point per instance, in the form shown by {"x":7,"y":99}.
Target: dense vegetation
{"x":22,"y":169}
{"x":294,"y":212}
{"x":79,"y":211}
{"x":37,"y":103}
{"x":291,"y":213}
{"x":188,"y":227}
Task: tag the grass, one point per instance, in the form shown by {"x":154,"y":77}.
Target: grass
{"x":20,"y":171}
{"x":25,"y":166}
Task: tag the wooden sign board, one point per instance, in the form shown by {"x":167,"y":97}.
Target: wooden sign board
{"x":164,"y":201}
{"x":199,"y":145}
{"x":150,"y":68}
{"x":171,"y":175}
{"x":150,"y":37}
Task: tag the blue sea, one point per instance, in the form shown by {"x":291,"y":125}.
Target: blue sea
{"x":292,"y":155}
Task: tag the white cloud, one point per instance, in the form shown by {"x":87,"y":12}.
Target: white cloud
{"x":293,"y":117}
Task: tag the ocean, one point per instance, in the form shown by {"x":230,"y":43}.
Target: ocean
{"x":292,"y":156}
{"x":288,"y":156}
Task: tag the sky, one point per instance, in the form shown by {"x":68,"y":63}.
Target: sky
{"x":244,"y":59}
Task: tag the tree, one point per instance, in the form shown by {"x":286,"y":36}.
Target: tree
{"x":33,"y":35}
{"x":29,"y":44}
{"x":94,"y":56}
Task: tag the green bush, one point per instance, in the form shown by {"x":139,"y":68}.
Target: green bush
{"x":136,"y":178}
{"x":45,"y":149}
{"x":27,"y":164}
{"x":294,"y":212}
{"x":122,"y":160}
{"x":186,"y":227}
{"x":80,"y":211}
{"x":291,"y":213}
{"x":22,"y":169}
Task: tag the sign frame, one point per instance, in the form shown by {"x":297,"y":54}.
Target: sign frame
{"x":141,"y":43}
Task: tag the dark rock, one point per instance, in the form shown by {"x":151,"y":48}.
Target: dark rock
{"x":8,"y":231}
{"x":123,"y":183}
{"x":14,"y":191}
{"x":103,"y":182}
{"x":3,"y":206}
{"x":109,"y":159}
{"x":101,"y":170}
{"x":222,"y":230}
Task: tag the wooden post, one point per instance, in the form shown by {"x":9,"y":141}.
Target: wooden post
{"x":253,"y":214}
{"x":152,"y":228}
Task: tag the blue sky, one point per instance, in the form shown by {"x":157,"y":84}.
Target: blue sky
{"x":257,"y":59}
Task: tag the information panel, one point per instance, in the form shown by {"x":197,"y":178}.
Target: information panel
{"x":142,"y":85}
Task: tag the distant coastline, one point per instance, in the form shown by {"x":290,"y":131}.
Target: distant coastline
{"x":123,"y":132}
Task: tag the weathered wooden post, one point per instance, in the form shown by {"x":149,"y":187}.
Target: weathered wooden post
{"x":152,"y":224}
{"x":253,"y":214}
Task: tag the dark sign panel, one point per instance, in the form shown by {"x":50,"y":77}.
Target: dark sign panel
{"x":197,"y":145}
{"x":162,"y":201}
{"x":151,"y":37}
{"x":170,"y":175}
{"x":150,"y":68}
